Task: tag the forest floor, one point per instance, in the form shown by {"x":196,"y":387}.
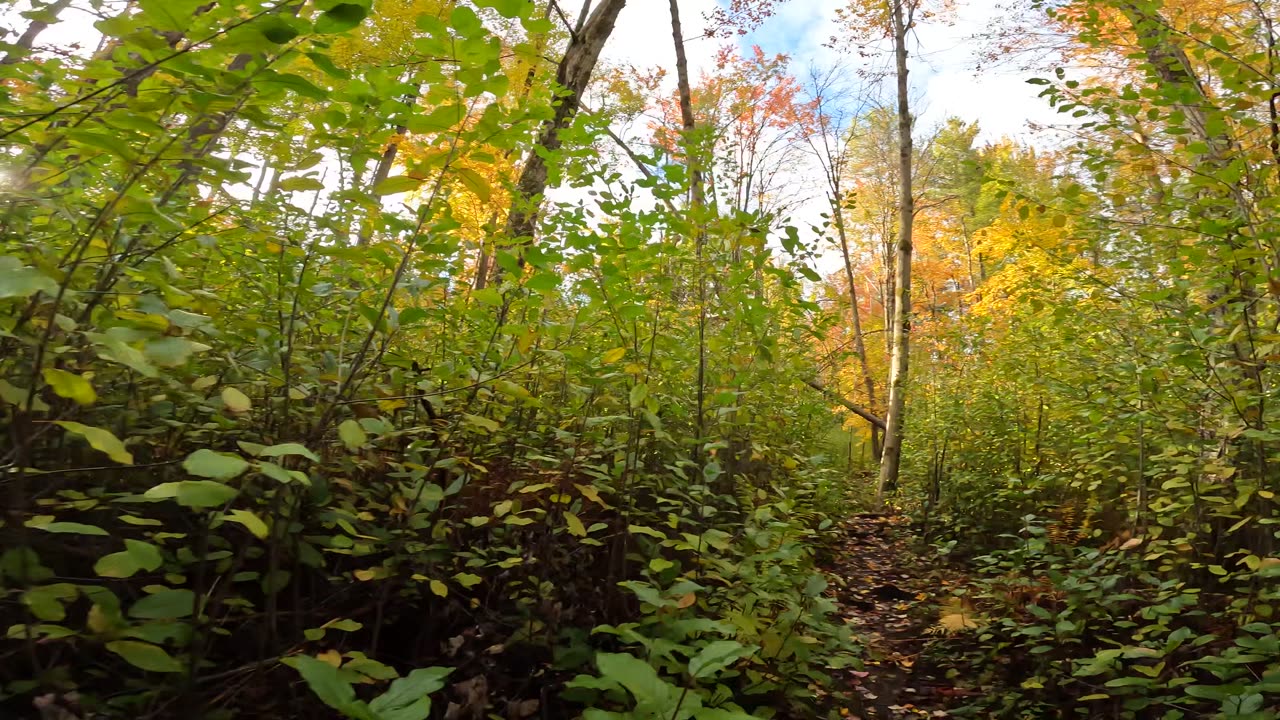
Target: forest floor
{"x":891,"y":594}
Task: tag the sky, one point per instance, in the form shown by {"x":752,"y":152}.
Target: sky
{"x":944,"y":78}
{"x":943,"y":70}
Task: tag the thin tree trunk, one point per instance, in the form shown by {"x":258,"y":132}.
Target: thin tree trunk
{"x":859,"y":346}
{"x":572,"y":76}
{"x":892,"y":455}
{"x":697,"y":200}
{"x":686,"y":106}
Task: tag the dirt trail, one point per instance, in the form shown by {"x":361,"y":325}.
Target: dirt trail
{"x":890,"y":595}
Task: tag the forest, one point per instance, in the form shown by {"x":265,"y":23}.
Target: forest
{"x":410,"y":359}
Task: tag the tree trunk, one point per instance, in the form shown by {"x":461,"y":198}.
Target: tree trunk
{"x":572,"y":76}
{"x":696,"y":200}
{"x":859,"y":346}
{"x":892,"y":454}
{"x":27,"y":40}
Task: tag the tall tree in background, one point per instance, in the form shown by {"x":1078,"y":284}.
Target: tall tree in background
{"x":896,"y":16}
{"x":572,"y":75}
{"x":828,"y":138}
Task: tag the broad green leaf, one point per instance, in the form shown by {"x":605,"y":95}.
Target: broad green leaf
{"x":172,"y":351}
{"x":164,"y":605}
{"x":654,"y":696}
{"x":397,"y":184}
{"x":100,"y":440}
{"x":137,"y":556}
{"x":341,"y":18}
{"x":250,"y":521}
{"x":194,"y":493}
{"x":145,"y":656}
{"x":439,"y":588}
{"x":510,"y":9}
{"x":236,"y":401}
{"x":71,"y":528}
{"x":20,"y":281}
{"x":288,"y":449}
{"x":15,"y":395}
{"x":352,"y":435}
{"x":575,"y":525}
{"x":483,"y":423}
{"x":300,"y":184}
{"x":70,"y":386}
{"x":717,"y":656}
{"x":330,"y":687}
{"x":407,"y":698}
{"x":613,"y":355}
{"x":210,"y":464}
{"x":467,"y":580}
{"x":45,"y":601}
{"x":475,"y":182}
{"x":639,"y":392}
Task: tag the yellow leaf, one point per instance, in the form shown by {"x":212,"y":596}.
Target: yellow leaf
{"x":475,"y":182}
{"x":101,"y":440}
{"x":613,"y":355}
{"x":333,"y":657}
{"x":70,"y":386}
{"x":439,"y":588}
{"x":236,"y":401}
{"x":591,"y":493}
{"x":575,"y":525}
{"x":365,"y":575}
{"x":250,"y":521}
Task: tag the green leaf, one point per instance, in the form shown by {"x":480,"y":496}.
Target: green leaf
{"x":71,"y":528}
{"x":269,"y":79}
{"x":638,"y":394}
{"x":279,"y":474}
{"x":397,"y":184}
{"x":15,"y":395}
{"x":575,"y":525}
{"x":288,"y":449}
{"x":439,"y":588}
{"x":654,"y":696}
{"x":145,"y":656}
{"x":193,"y":493}
{"x":172,"y":351}
{"x":407,"y":698}
{"x":20,"y":281}
{"x":250,"y":521}
{"x":70,"y":386}
{"x":341,"y":18}
{"x":136,"y":556}
{"x":45,"y":601}
{"x":352,"y":435}
{"x":325,"y":63}
{"x":475,"y":182}
{"x":300,"y":184}
{"x":717,"y":656}
{"x":210,"y":464}
{"x":236,"y":401}
{"x":510,"y":9}
{"x":483,"y":423}
{"x":467,"y":580}
{"x":100,"y":440}
{"x":330,"y":687}
{"x":164,"y":605}
{"x":277,"y":30}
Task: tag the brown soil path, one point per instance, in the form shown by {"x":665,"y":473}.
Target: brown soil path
{"x":891,"y":596}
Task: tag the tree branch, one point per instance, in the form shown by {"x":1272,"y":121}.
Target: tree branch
{"x":846,"y":403}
